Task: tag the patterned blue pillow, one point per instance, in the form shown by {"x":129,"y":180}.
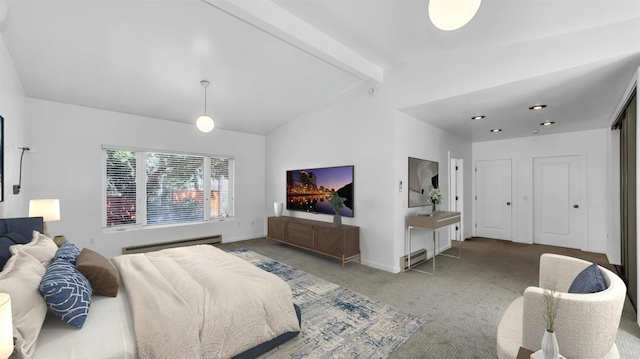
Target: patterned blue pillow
{"x":67,"y":252}
{"x":67,"y":292}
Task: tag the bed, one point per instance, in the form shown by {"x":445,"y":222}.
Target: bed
{"x":190,"y":302}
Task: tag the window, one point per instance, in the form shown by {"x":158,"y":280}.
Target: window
{"x":156,"y":188}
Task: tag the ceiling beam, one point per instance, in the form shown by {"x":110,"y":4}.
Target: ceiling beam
{"x":274,"y":20}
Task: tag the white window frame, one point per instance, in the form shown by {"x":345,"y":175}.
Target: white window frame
{"x":141,"y":193}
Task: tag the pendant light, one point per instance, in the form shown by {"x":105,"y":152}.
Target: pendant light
{"x":204,"y":122}
{"x":450,"y":15}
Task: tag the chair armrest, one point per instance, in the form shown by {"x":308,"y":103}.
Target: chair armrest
{"x":533,"y":322}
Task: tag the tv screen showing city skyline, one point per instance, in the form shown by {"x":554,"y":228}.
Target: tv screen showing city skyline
{"x":309,"y":190}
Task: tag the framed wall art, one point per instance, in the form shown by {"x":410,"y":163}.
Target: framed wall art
{"x":423,"y":176}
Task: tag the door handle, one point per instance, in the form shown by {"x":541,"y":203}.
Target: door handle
{"x":508,"y":203}
{"x":575,"y":206}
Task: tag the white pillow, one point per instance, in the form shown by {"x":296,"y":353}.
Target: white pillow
{"x":41,"y":247}
{"x":20,"y":279}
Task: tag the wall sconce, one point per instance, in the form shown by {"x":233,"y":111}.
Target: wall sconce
{"x":48,"y":209}
{"x":16,"y":187}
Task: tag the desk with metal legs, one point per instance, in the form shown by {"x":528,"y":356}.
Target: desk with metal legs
{"x":432,"y":222}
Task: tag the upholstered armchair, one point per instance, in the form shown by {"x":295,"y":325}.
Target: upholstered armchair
{"x":586,"y":325}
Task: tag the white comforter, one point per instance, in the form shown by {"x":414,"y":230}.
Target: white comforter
{"x":200,"y":302}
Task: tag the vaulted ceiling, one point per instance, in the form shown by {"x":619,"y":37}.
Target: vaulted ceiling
{"x":270,"y":62}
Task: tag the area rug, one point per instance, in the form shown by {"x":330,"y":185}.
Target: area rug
{"x":336,"y":322}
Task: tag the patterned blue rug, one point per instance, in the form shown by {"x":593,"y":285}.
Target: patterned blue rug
{"x":336,"y":322}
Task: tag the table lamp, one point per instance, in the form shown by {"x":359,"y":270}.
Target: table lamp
{"x":6,"y":326}
{"x":48,"y":209}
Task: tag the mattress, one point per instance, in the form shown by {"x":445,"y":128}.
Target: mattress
{"x":107,"y":333}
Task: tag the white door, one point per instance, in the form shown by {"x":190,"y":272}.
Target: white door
{"x":559,"y":216}
{"x":493,"y":199}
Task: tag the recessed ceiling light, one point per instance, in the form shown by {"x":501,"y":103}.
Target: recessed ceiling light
{"x":547,"y":123}
{"x":476,"y":118}
{"x":535,"y":132}
{"x":537,"y":107}
{"x":495,"y":130}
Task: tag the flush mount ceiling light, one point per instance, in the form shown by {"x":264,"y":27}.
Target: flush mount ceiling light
{"x":547,"y":123}
{"x":205,"y":123}
{"x":494,"y":130}
{"x":537,"y":107}
{"x":476,"y":118}
{"x":450,"y":15}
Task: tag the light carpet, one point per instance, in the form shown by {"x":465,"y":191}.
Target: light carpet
{"x":336,"y":322}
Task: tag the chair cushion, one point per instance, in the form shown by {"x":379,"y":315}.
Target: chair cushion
{"x":590,"y":280}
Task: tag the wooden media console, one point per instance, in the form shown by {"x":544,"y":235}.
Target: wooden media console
{"x":321,"y":237}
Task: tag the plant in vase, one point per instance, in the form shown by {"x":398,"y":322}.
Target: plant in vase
{"x":435,"y":197}
{"x":336,"y":203}
{"x":549,"y":345}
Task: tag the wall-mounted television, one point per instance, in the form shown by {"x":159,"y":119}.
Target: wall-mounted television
{"x":423,"y":176}
{"x":309,"y":189}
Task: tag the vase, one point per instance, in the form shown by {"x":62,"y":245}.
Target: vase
{"x":337,"y":220}
{"x":277,"y":208}
{"x":433,"y":207}
{"x":549,"y":345}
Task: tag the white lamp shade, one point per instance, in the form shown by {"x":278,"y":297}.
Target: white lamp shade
{"x":48,"y":209}
{"x":6,"y":326}
{"x":450,"y":15}
{"x":205,"y":123}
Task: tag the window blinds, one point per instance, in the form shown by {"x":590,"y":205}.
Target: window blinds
{"x":121,"y":188}
{"x":155,"y":188}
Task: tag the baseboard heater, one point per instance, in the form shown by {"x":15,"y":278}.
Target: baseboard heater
{"x":174,"y":244}
{"x":417,"y":257}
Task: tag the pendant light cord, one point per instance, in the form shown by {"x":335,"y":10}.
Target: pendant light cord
{"x":205,"y":100}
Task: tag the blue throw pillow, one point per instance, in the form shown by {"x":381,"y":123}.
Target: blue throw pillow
{"x":67,"y":252}
{"x":67,"y":292}
{"x":590,"y":280}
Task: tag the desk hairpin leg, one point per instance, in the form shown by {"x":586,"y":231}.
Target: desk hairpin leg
{"x":459,"y":240}
{"x":433,"y":260}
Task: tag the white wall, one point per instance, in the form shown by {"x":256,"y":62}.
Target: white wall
{"x":415,"y":138}
{"x":369,"y":133}
{"x":12,"y":100}
{"x":355,"y":130}
{"x":66,"y":163}
{"x":591,"y":145}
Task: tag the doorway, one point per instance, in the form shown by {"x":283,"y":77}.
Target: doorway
{"x":559,"y":216}
{"x":493,"y":199}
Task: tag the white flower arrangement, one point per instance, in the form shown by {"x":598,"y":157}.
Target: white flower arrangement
{"x":435,"y":196}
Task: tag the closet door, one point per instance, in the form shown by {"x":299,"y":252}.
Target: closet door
{"x":628,"y":201}
{"x":493,"y":199}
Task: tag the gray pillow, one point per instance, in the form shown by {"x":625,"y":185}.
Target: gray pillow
{"x":590,"y":280}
